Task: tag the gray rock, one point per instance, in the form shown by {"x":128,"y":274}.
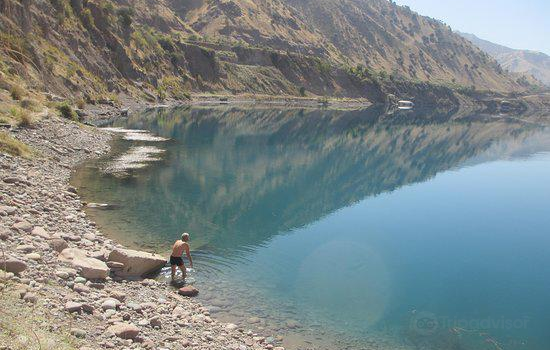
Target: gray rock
{"x":109,"y":304}
{"x":33,"y":256}
{"x":13,"y":265}
{"x":136,"y":263}
{"x":23,"y":226}
{"x":30,"y":298}
{"x":40,"y":232}
{"x":58,"y":244}
{"x":8,"y":209}
{"x":25,"y":248}
{"x":155,"y":321}
{"x":124,"y":330}
{"x":89,"y":267}
{"x":81,"y":288}
{"x":72,"y":306}
{"x":79,"y":333}
{"x":11,"y":180}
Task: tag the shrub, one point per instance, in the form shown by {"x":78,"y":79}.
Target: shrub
{"x":25,"y":119}
{"x":80,"y":103}
{"x":28,"y":103}
{"x":17,"y":92}
{"x":125,"y":15}
{"x":174,"y":86}
{"x":12,"y":146}
{"x":302,"y":91}
{"x":87,"y":18}
{"x":22,"y":117}
{"x":67,"y":111}
{"x":108,"y":7}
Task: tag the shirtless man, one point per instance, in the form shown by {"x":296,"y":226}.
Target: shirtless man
{"x":179,"y":247}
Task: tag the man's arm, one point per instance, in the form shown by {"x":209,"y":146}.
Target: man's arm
{"x":188,"y":253}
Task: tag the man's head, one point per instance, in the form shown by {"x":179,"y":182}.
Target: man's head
{"x":185,"y":237}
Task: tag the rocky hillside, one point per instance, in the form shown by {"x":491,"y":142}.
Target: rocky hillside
{"x":96,"y":49}
{"x":529,"y":62}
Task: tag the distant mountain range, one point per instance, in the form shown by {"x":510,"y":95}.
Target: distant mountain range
{"x":518,"y":61}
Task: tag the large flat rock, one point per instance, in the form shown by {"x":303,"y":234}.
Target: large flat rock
{"x":136,"y":263}
{"x":90,"y":268}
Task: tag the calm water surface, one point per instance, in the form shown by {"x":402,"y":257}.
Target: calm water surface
{"x":348,"y":230}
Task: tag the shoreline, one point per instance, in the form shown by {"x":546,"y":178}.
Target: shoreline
{"x":41,"y":213}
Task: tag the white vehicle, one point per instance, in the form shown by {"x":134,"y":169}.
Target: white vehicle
{"x":403,"y":104}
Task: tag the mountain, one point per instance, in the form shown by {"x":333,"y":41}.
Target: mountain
{"x":95,"y":49}
{"x":530,"y":62}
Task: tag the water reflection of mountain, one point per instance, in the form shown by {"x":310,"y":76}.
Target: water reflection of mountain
{"x":239,"y":176}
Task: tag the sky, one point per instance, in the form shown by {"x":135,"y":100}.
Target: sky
{"x":517,"y":24}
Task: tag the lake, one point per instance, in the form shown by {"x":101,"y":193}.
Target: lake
{"x":345,"y":229}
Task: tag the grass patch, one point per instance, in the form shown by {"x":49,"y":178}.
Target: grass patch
{"x":14,"y":147}
{"x":23,"y":326}
{"x":17,"y":92}
{"x":15,"y":115}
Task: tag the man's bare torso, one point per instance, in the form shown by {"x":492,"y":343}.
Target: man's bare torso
{"x":178,"y":248}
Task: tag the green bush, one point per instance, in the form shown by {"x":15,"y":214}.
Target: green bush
{"x":125,"y":15}
{"x":302,"y":91}
{"x":67,"y":112}
{"x":87,"y":18}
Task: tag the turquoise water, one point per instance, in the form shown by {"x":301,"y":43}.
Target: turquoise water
{"x":348,"y":229}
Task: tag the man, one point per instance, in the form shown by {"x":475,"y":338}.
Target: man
{"x":179,"y":247}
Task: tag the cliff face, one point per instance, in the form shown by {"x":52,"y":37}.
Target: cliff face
{"x":167,"y":48}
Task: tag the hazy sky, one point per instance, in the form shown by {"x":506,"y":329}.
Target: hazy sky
{"x":520,"y":24}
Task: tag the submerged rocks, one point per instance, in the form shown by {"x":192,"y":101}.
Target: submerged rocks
{"x":89,"y":267}
{"x":188,"y":291}
{"x":136,"y":263}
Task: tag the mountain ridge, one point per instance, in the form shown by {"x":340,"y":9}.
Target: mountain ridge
{"x":531,"y":62}
{"x":96,"y":49}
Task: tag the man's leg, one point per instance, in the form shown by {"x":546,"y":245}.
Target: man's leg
{"x":183,"y":270}
{"x":173,"y":271}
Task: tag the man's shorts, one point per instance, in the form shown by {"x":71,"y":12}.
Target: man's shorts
{"x":176,"y":260}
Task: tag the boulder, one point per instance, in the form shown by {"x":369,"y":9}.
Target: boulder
{"x":188,"y":291}
{"x":40,"y":232}
{"x":72,"y":306}
{"x":124,"y":330}
{"x":89,"y":267}
{"x":8,"y":210}
{"x":23,"y":226}
{"x":13,"y":265}
{"x":136,"y":263}
{"x":58,"y":244}
{"x":109,"y":304}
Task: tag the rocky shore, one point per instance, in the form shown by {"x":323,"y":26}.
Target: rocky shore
{"x":85,"y":288}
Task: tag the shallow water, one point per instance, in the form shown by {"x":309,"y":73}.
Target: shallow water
{"x":346,"y":230}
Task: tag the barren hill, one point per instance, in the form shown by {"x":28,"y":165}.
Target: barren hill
{"x":167,"y":48}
